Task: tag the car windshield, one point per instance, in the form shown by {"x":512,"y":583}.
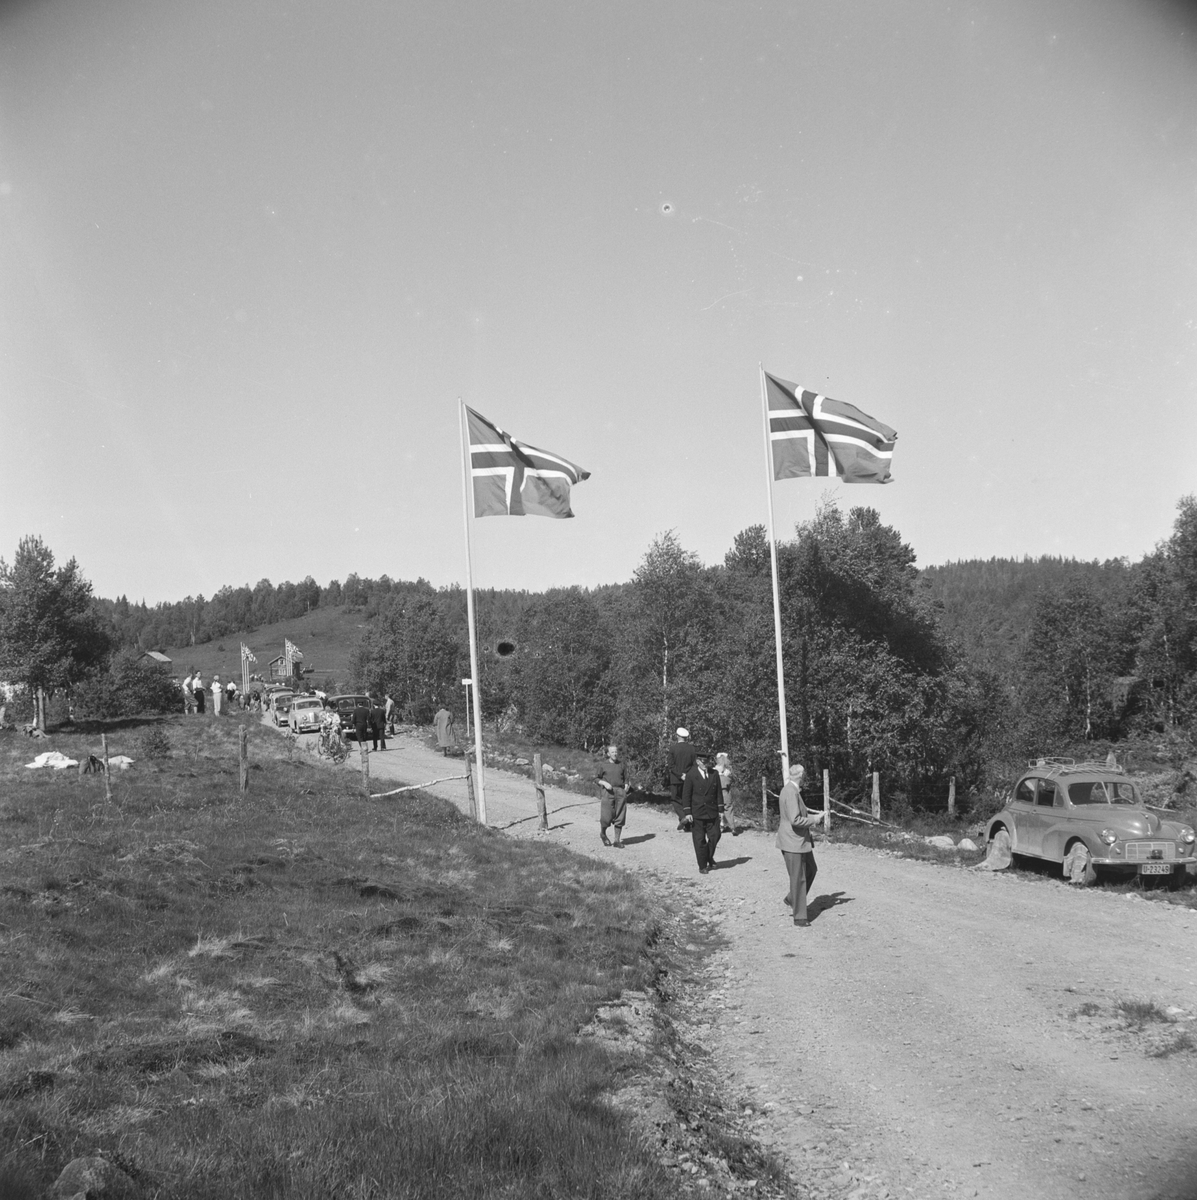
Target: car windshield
{"x":307,"y":704}
{"x":1096,"y":791}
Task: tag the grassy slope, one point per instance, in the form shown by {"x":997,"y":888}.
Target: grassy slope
{"x":301,"y":993}
{"x":326,"y":636}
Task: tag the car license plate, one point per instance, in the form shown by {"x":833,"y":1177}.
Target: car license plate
{"x":1155,"y":868}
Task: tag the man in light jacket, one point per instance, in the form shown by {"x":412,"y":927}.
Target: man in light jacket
{"x":796,"y":842}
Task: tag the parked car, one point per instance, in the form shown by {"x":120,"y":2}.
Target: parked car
{"x":280,"y":702}
{"x":1093,"y":815}
{"x":305,"y":714}
{"x":343,"y":706}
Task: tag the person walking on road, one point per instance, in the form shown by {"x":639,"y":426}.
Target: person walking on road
{"x":612,"y":779}
{"x":679,"y":761}
{"x":724,"y":771}
{"x":446,"y":735}
{"x":217,"y":693}
{"x":795,"y":840}
{"x":361,"y":722}
{"x":702,"y":810}
{"x":388,"y":709}
{"x":378,"y":723}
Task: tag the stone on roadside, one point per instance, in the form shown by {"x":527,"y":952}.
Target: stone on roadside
{"x":96,"y":1179}
{"x":967,"y":844}
{"x":941,"y":841}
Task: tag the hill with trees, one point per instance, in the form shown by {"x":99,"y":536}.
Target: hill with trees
{"x":957,"y":670}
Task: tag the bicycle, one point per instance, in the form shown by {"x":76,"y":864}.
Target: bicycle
{"x":332,"y":745}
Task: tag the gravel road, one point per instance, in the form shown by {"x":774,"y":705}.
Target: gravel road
{"x":935,"y":1031}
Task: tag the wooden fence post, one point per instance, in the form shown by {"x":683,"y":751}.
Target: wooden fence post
{"x":469,"y":762}
{"x":365,"y":756}
{"x":243,"y":757}
{"x":107,"y":778}
{"x":876,"y":796}
{"x":764,"y":805}
{"x":826,"y":802}
{"x":541,"y":806}
{"x":952,"y":797}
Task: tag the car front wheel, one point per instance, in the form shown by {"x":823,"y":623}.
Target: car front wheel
{"x":1078,"y":865}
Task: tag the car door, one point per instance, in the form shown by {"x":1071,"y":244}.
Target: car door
{"x":1049,"y":802}
{"x":1022,"y":812}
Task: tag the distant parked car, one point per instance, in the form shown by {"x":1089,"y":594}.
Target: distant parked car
{"x":280,"y":703}
{"x":1060,"y":806}
{"x":343,"y":706}
{"x":305,"y":714}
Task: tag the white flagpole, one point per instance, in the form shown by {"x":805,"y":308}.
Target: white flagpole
{"x":467,"y":496}
{"x":781,"y":683}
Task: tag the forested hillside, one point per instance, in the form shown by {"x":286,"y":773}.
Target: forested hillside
{"x":962,"y":669}
{"x":988,"y":604}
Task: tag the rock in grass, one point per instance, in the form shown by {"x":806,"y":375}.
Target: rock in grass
{"x":94,"y":1179}
{"x":967,"y":844}
{"x":941,"y":842}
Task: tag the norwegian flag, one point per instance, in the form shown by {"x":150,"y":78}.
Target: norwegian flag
{"x":293,"y":652}
{"x":812,"y":434}
{"x":247,"y":655}
{"x":513,"y":479}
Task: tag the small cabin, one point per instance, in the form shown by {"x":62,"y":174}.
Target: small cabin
{"x":151,"y":658}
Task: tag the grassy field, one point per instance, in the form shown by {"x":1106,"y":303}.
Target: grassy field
{"x":326,"y":636}
{"x":300,"y":992}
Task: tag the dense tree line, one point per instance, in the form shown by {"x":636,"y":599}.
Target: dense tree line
{"x":955,"y":670}
{"x":196,"y":620}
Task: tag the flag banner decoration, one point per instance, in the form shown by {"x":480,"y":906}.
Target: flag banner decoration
{"x":294,"y":653}
{"x":812,"y":434}
{"x":513,"y":479}
{"x":246,"y":654}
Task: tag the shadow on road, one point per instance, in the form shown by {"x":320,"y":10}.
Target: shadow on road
{"x":820,"y":904}
{"x":724,"y":863}
{"x":635,"y":841}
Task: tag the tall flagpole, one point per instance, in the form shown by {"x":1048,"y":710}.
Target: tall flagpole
{"x":781,"y":683}
{"x":468,"y":507}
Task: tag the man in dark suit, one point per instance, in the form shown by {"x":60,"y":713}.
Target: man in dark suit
{"x":679,"y":761}
{"x":702,"y":810}
{"x":378,"y":723}
{"x":361,"y":721}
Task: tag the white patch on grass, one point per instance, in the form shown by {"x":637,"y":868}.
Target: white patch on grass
{"x":232,"y":945}
{"x":70,"y":1016}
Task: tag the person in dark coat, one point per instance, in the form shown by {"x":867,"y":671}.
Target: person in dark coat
{"x":702,"y":810}
{"x":361,"y":721}
{"x":378,"y":723}
{"x":679,"y":761}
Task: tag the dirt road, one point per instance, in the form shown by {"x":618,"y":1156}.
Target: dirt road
{"x":935,"y":1031}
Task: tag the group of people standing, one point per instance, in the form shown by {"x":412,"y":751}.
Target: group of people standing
{"x":195,"y":693}
{"x":701,"y":790}
{"x":370,"y":721}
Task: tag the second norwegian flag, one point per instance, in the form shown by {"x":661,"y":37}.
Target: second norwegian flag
{"x":513,"y":479}
{"x":810,"y":434}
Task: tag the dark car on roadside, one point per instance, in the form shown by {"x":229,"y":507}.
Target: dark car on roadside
{"x":343,"y":706}
{"x":1092,"y":814}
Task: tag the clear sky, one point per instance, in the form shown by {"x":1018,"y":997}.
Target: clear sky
{"x":252,"y":252}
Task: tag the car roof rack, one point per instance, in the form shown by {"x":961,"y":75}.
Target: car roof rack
{"x":1069,"y":766}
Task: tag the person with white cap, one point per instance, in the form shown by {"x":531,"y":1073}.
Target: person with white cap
{"x":680,"y":760}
